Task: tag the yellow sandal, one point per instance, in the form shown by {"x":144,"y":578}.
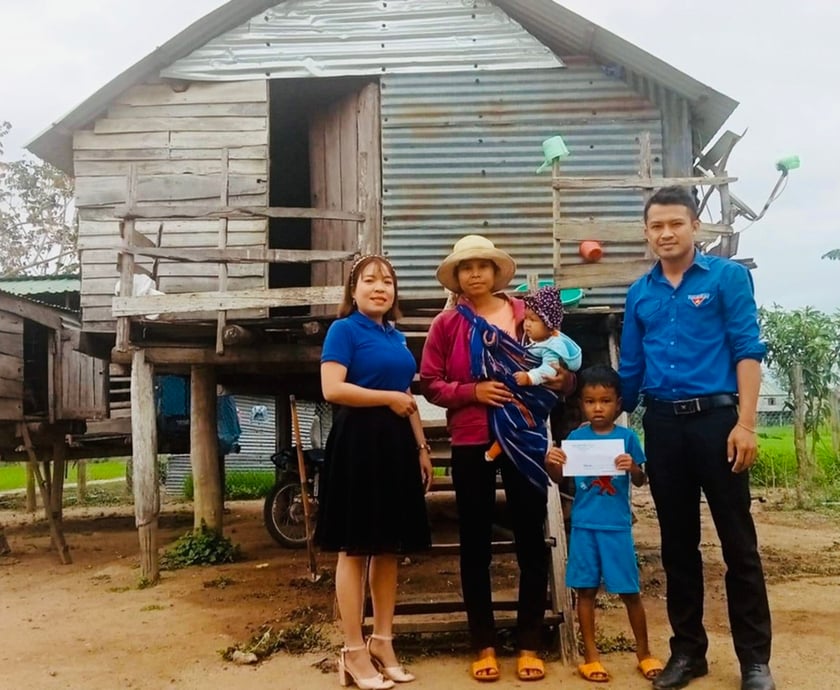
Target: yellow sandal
{"x":594,"y":672}
{"x":485,"y":669}
{"x":530,"y":667}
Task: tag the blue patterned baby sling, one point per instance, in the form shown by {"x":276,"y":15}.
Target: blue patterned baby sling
{"x":519,"y":426}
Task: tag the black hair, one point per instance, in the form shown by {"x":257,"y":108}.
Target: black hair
{"x":673,"y":196}
{"x":600,"y":375}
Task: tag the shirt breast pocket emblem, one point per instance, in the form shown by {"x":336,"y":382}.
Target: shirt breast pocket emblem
{"x":700,"y":299}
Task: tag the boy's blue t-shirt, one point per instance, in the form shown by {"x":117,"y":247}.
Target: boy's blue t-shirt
{"x":376,"y":355}
{"x":604,"y":502}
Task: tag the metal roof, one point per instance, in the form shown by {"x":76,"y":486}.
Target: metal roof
{"x":322,"y":38}
{"x":557,"y":27}
{"x":39,"y":285}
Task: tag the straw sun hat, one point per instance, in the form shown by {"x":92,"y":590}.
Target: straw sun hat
{"x":475,"y":247}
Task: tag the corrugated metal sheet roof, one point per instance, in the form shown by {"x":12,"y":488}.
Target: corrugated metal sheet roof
{"x":558,"y":28}
{"x":34,"y":285}
{"x":323,"y":38}
{"x":567,"y":33}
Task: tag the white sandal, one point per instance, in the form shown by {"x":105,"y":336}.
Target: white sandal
{"x":345,"y":675}
{"x":395,"y":673}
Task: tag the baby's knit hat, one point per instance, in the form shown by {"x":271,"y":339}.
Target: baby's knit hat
{"x":546,"y":304}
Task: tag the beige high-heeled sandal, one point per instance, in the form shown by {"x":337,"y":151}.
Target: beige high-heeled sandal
{"x":345,"y":675}
{"x":395,"y":673}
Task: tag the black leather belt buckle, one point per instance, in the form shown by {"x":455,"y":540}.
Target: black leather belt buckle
{"x":687,"y":406}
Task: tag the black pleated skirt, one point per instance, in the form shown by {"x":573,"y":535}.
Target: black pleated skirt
{"x":371,"y":497}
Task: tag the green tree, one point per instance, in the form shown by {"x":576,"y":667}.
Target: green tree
{"x":834,"y":255}
{"x":803,"y":348}
{"x":37,"y":219}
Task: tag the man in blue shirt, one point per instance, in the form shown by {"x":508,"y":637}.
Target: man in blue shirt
{"x":690,"y":345}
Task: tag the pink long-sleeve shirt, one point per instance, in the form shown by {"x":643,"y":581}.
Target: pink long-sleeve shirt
{"x":445,"y":377}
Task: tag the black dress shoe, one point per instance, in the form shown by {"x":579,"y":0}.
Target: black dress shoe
{"x":679,"y":671}
{"x":756,"y":677}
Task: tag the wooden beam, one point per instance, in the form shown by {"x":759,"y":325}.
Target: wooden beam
{"x":163,"y":212}
{"x":274,"y":354}
{"x":622,"y":231}
{"x":208,"y":500}
{"x":636,"y":182}
{"x":144,"y":464}
{"x":190,"y":302}
{"x":602,"y":274}
{"x":29,"y":310}
{"x":253,"y":255}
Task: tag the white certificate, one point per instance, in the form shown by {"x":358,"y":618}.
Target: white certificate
{"x":594,"y":458}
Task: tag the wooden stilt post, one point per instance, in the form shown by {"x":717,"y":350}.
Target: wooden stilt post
{"x":81,"y":480}
{"x":56,"y":532}
{"x":144,"y":464}
{"x":59,"y":453}
{"x":4,"y":544}
{"x":204,"y":455}
{"x":31,"y":498}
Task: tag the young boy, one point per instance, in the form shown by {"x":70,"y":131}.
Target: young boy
{"x":601,"y":543}
{"x":543,"y":317}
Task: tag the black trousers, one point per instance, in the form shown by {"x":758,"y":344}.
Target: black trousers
{"x":687,"y":453}
{"x":474,"y":480}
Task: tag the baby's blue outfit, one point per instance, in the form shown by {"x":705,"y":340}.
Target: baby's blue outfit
{"x":553,"y":350}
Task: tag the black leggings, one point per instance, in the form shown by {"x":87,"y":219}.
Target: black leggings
{"x":474,"y":480}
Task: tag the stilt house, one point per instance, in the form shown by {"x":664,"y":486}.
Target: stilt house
{"x":239,"y":167}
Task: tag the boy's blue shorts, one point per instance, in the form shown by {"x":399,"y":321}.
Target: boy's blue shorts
{"x":606,"y":556}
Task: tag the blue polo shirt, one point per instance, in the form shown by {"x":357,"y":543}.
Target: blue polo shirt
{"x":376,"y":355}
{"x":684,"y":342}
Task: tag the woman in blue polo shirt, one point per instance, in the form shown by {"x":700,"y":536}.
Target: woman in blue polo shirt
{"x":377,"y":467}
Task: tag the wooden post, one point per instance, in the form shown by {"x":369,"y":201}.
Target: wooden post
{"x":31,"y":499}
{"x":59,"y":453}
{"x":561,"y":596}
{"x":81,"y":480}
{"x":127,"y":263}
{"x":646,"y":173}
{"x":304,"y":489}
{"x":555,"y":214}
{"x":204,"y":454}
{"x":221,"y":317}
{"x":144,"y":464}
{"x":804,"y":462}
{"x":4,"y":544}
{"x":56,"y":532}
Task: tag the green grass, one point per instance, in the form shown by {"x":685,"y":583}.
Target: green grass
{"x":776,"y":464}
{"x":239,"y":484}
{"x":13,"y":474}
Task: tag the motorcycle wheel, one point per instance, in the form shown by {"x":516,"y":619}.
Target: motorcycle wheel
{"x":283,"y":515}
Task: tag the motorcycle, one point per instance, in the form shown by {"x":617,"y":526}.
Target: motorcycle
{"x":283,"y":510}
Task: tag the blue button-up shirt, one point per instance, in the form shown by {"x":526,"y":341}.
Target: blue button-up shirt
{"x":684,"y":342}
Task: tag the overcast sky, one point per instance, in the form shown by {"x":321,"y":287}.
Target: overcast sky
{"x":776,"y":57}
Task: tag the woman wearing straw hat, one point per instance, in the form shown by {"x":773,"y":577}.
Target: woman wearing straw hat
{"x":476,"y":271}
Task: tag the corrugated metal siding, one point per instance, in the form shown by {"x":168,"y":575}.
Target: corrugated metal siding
{"x":259,"y":427}
{"x":460,"y":153}
{"x":324,"y":38}
{"x":178,"y":469}
{"x":257,"y":441}
{"x":567,"y":33}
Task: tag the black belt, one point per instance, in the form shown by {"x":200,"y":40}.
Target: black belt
{"x":692,"y":405}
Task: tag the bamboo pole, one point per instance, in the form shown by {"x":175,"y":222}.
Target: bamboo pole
{"x":144,"y":464}
{"x":204,"y":455}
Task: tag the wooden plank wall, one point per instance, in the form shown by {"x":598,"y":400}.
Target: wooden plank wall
{"x":11,"y":366}
{"x":84,"y":387}
{"x":175,"y":141}
{"x":345,"y":172}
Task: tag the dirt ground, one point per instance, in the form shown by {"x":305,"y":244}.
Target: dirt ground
{"x":87,"y":625}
